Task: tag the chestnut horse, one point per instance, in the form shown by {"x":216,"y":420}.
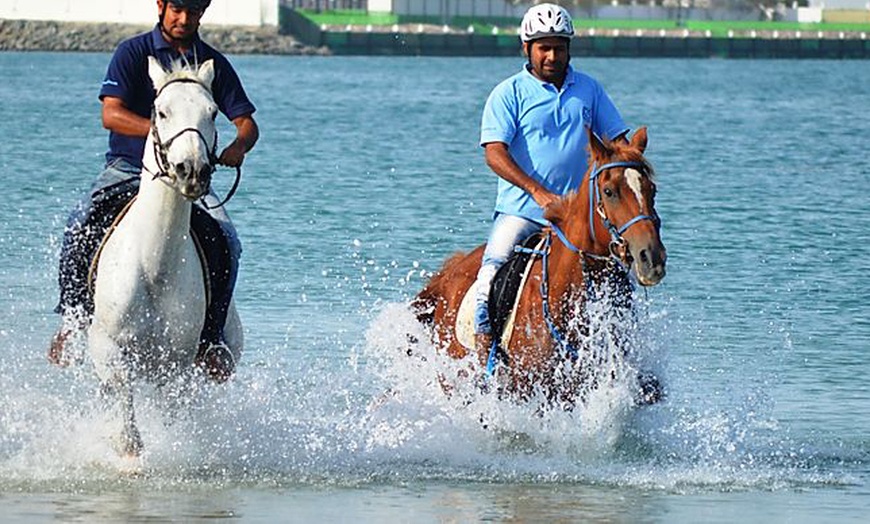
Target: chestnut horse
{"x":607,"y":227}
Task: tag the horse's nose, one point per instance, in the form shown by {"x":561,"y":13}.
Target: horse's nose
{"x":652,"y":264}
{"x":181,"y":169}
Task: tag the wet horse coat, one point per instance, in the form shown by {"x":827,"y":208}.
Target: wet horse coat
{"x":150,"y":293}
{"x":608,"y":224}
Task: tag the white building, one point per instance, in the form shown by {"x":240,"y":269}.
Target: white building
{"x":221,"y":12}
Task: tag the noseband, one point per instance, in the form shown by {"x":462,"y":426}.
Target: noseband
{"x":161,"y":147}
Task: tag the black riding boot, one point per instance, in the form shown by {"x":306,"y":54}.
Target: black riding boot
{"x":213,"y":354}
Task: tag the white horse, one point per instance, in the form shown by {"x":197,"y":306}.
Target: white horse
{"x":149,"y":294}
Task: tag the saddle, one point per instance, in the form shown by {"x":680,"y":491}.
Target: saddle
{"x":506,"y":288}
{"x":506,"y":285}
{"x":110,"y":206}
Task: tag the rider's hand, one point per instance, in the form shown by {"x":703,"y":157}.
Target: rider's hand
{"x":233,"y":155}
{"x":544,"y":198}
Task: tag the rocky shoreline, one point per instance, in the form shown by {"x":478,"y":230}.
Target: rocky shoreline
{"x":37,"y":35}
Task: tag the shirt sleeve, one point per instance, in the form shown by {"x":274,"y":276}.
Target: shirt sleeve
{"x":121,"y":75}
{"x":606,"y":120}
{"x":229,"y":94}
{"x":499,"y":121}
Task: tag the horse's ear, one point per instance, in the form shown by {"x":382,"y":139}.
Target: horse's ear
{"x":639,"y":140}
{"x":206,"y":72}
{"x":156,"y":72}
{"x":597,"y":148}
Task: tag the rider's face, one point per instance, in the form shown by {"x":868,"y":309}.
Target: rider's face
{"x":179,"y":23}
{"x":549,"y":58}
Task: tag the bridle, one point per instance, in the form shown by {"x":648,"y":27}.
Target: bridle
{"x":617,"y":242}
{"x":161,"y":149}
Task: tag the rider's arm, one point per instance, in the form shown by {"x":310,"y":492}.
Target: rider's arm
{"x":247,"y":133}
{"x":117,"y":118}
{"x":499,"y":159}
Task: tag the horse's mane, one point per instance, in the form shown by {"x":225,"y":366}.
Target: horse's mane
{"x":181,"y":70}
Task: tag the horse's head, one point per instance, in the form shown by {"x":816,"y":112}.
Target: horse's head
{"x":618,"y":204}
{"x":623,"y":193}
{"x":183,"y":128}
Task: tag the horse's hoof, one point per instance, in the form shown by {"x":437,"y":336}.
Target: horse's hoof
{"x":129,"y":446}
{"x":650,"y":390}
{"x":56,"y":354}
{"x":60,"y":351}
{"x":130,"y":465}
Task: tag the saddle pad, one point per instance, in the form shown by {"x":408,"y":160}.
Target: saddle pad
{"x":464,"y":327}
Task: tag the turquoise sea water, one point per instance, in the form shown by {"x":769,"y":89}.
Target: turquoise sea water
{"x":366,"y":177}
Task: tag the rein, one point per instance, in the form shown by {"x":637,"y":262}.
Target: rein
{"x":161,"y":148}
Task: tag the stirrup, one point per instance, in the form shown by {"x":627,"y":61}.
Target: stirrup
{"x":217,"y":361}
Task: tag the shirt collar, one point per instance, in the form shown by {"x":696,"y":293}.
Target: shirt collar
{"x":160,"y":44}
{"x":570,"y":76}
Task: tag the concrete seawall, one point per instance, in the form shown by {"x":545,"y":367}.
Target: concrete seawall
{"x":309,"y":39}
{"x":600,"y":45}
{"x":32,"y":35}
{"x":420,"y":39}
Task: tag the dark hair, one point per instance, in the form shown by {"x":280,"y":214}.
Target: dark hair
{"x":196,"y":5}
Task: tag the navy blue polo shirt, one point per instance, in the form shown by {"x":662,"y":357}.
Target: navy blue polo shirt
{"x":127,"y":78}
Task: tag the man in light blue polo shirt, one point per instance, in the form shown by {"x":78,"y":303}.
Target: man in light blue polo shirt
{"x":127,"y":96}
{"x":533,"y":131}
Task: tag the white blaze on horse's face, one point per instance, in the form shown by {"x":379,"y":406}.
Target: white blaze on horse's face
{"x":645,"y":247}
{"x":183,"y":126}
{"x":635,"y":182}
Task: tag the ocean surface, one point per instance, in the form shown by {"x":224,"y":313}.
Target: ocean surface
{"x":367,"y":176}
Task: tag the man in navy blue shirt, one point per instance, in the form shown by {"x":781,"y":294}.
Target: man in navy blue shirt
{"x":127,"y":95}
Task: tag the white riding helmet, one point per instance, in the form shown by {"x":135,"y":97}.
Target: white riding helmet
{"x":545,"y":20}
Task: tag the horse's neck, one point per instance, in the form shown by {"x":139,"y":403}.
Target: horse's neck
{"x":566,"y":267}
{"x":163,"y":214}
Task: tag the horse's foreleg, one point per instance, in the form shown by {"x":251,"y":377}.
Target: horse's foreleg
{"x":120,"y":395}
{"x":116,"y":389}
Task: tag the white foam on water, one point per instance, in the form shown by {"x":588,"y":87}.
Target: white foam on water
{"x":371,"y":413}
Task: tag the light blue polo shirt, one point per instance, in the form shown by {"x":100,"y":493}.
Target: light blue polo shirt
{"x":545,"y":132}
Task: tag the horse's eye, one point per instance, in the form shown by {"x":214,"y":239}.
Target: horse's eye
{"x":608,"y":192}
{"x":161,"y":115}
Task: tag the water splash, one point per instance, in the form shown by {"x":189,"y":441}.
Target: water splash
{"x":367,"y":412}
